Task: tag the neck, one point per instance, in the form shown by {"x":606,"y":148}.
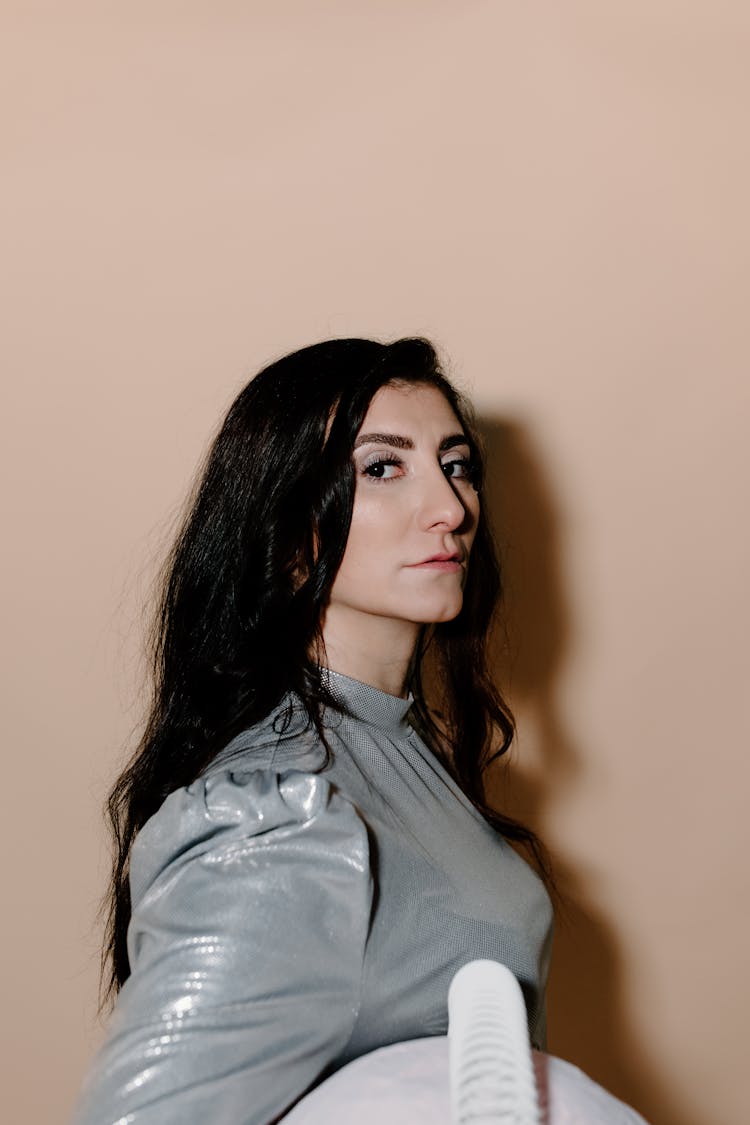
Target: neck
{"x":378,"y":655}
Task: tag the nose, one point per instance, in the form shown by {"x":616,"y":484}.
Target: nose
{"x":441,"y":507}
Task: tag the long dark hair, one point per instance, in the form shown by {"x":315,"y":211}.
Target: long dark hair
{"x":236,"y":624}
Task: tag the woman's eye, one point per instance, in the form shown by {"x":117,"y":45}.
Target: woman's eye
{"x":461,"y":468}
{"x":382,"y":469}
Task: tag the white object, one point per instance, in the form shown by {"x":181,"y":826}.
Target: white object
{"x":491,"y":1073}
{"x":421,"y":1080}
{"x":407,"y":1084}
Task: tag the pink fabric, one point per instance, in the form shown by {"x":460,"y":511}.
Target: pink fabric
{"x":408,"y":1082}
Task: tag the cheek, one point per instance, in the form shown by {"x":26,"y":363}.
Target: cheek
{"x":366,"y":533}
{"x":373,"y":518}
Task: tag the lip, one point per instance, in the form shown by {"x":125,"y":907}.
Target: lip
{"x":449,"y":563}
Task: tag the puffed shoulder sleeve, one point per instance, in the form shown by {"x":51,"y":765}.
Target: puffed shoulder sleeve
{"x":252,"y":898}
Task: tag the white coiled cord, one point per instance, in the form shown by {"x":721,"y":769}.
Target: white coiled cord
{"x":491,"y":1072}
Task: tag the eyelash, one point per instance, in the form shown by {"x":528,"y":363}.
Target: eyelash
{"x":468,"y":465}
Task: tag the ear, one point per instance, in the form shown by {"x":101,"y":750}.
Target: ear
{"x":298,"y":573}
{"x":305,"y":558}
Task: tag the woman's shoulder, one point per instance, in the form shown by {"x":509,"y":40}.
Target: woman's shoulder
{"x":284,"y":740}
{"x":267,"y":781}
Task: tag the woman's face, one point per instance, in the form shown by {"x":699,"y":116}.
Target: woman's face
{"x":415,"y":513}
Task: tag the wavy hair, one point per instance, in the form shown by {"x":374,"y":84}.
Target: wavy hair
{"x":248,"y":579}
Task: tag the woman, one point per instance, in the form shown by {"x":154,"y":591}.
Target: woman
{"x":305,"y":856}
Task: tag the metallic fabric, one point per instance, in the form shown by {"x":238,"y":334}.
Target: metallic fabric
{"x":288,"y":918}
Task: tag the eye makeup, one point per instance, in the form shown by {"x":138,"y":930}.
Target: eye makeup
{"x":377,"y":465}
{"x":468,"y":468}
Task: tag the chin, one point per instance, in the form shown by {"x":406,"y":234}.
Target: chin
{"x":439,"y":614}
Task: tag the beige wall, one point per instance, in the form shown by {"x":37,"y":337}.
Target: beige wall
{"x":557,"y":193}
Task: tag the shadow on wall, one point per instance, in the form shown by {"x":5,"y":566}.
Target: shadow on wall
{"x":588,"y":1021}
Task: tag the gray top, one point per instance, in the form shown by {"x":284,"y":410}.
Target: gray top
{"x":286,"y":921}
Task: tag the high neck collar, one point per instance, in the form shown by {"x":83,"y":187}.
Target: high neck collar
{"x":369,"y":704}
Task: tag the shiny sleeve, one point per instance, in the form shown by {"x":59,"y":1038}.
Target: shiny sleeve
{"x":252,"y":899}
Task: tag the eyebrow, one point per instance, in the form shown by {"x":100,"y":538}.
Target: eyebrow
{"x":398,"y":441}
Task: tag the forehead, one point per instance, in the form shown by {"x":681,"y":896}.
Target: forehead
{"x":416,"y":406}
